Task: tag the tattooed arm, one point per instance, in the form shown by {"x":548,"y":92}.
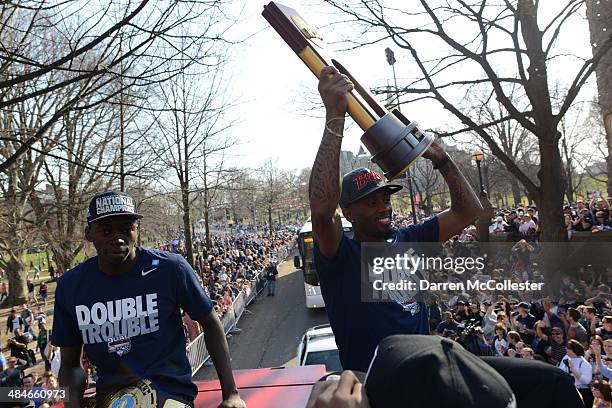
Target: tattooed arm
{"x":324,"y":186}
{"x":465,"y":205}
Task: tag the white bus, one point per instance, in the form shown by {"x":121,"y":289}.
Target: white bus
{"x":305,"y":261}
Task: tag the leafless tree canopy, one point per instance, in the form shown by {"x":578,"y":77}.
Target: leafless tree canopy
{"x":89,"y":48}
{"x":502,"y":49}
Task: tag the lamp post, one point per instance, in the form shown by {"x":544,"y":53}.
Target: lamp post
{"x":484,"y":219}
{"x":391,"y":61}
{"x":478,"y":157}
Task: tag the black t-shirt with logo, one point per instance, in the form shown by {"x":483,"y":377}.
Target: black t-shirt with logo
{"x":359,"y":326}
{"x":130,"y":325}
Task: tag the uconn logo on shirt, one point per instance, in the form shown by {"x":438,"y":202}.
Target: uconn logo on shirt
{"x":118,"y":319}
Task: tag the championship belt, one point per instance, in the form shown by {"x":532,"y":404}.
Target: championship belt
{"x":394,"y":142}
{"x":139,"y":395}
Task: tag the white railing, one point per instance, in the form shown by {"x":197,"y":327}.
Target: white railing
{"x":196,"y":350}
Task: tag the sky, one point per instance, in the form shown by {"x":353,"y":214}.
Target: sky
{"x":276,"y":88}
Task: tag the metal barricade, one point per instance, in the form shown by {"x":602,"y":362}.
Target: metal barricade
{"x":261,"y":283}
{"x":253,"y":294}
{"x":238,"y":306}
{"x":197,"y":353}
{"x":228,"y":321}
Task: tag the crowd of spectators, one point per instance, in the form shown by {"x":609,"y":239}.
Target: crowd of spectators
{"x":576,"y":337}
{"x":29,"y":335}
{"x":572,"y":329}
{"x":229,"y":265}
{"x":522,"y":222}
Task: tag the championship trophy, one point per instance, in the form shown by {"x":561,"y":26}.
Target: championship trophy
{"x":393,"y":141}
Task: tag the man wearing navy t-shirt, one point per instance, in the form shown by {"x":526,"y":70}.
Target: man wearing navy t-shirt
{"x":365,"y":201}
{"x":124,"y":308}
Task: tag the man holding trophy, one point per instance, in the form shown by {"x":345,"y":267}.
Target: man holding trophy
{"x":365,"y":201}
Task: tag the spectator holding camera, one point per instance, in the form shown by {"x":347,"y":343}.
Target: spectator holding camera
{"x":578,"y":367}
{"x":489,"y":321}
{"x":589,"y":355}
{"x":584,"y":221}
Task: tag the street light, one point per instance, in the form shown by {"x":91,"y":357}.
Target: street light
{"x":478,"y":157}
{"x":391,"y":61}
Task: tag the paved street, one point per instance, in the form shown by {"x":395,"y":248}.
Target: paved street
{"x":270,"y":334}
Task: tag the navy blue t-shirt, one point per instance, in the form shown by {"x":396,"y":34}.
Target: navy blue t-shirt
{"x":130,"y":325}
{"x":447,"y":326}
{"x":359,"y":326}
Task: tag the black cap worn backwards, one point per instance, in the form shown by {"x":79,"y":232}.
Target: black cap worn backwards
{"x":414,"y":371}
{"x":361,"y":182}
{"x":109,"y":204}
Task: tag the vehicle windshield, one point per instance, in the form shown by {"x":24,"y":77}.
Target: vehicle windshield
{"x":330,"y":358}
{"x":310,"y":274}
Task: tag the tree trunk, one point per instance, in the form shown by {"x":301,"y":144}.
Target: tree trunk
{"x":516,"y":191}
{"x":599,"y":15}
{"x":187,"y":225}
{"x":608,"y":123}
{"x":550,"y":211}
{"x":63,"y":258}
{"x":16,"y":273}
{"x":207,"y":225}
{"x":270,"y":218}
{"x":570,"y":183}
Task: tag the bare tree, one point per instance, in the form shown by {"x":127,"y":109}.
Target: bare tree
{"x":275,"y":192}
{"x":18,"y":184}
{"x":427,"y":183}
{"x":133,"y":39}
{"x":599,"y":14}
{"x":188,"y":112}
{"x":488,"y":32}
{"x":516,"y":142}
{"x":81,"y":165}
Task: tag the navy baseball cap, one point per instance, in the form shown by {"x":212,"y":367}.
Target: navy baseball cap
{"x":109,"y":204}
{"x":361,"y":182}
{"x":414,"y":371}
{"x":523,"y":305}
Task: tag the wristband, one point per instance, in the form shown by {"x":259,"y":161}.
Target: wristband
{"x":441,"y":162}
{"x":333,"y":132}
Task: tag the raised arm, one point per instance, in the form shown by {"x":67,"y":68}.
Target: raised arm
{"x":324,"y":185}
{"x":465,"y":205}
